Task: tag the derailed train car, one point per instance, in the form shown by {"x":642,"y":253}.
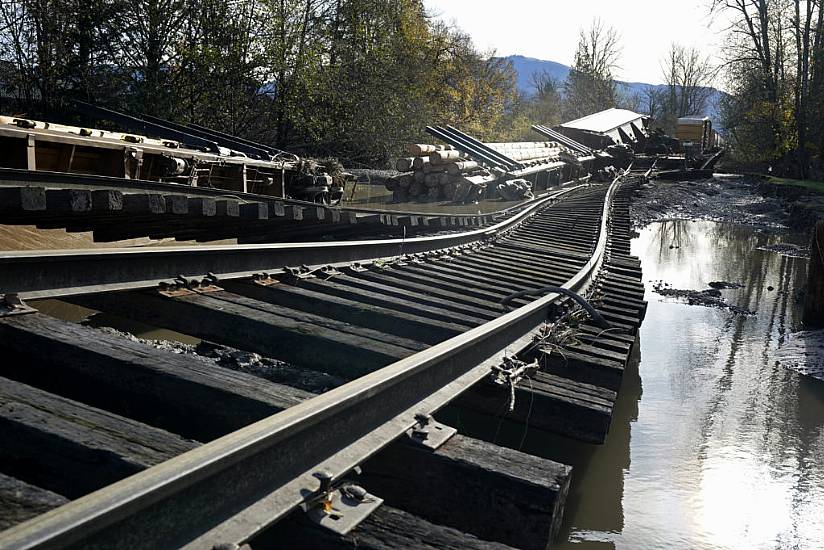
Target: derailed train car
{"x":168,"y":153}
{"x":696,"y":134}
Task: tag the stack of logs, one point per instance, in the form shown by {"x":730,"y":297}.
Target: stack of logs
{"x":440,"y":172}
{"x":436,"y":172}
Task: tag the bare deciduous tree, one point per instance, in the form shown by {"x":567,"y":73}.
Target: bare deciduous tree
{"x":590,"y":87}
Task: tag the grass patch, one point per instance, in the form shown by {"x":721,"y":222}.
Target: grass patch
{"x":817,"y":186}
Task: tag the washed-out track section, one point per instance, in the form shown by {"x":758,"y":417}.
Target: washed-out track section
{"x":116,"y":209}
{"x":81,"y":408}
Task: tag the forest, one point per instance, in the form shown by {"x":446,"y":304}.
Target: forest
{"x":357,"y":79}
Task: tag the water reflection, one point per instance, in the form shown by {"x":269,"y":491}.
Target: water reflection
{"x":725,"y":450}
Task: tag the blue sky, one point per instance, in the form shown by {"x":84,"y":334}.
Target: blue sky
{"x":548,"y":29}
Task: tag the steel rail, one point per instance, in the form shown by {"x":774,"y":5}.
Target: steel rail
{"x":232,"y":488}
{"x":39,"y":274}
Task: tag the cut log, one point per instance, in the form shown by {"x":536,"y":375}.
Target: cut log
{"x":441,"y":157}
{"x":457,"y":168}
{"x":404,"y":164}
{"x":419,"y":149}
{"x":419,"y":162}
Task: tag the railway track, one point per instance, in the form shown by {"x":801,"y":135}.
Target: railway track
{"x":116,"y":209}
{"x":112,"y":441}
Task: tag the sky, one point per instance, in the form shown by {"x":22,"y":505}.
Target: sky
{"x":548,"y":29}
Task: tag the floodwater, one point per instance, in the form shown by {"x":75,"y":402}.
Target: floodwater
{"x":712,"y":445}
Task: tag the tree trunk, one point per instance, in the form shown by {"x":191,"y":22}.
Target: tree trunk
{"x":814,"y":303}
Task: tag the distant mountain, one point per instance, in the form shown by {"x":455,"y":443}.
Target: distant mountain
{"x":527,"y":67}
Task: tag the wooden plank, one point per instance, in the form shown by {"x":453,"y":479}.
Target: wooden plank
{"x":547,"y":403}
{"x":26,"y":199}
{"x":585,"y":368}
{"x":428,"y":285}
{"x":177,"y":205}
{"x":387,"y":528}
{"x":68,"y":200}
{"x":202,"y":206}
{"x":71,"y":448}
{"x":177,"y":393}
{"x":492,"y":492}
{"x":300,"y":338}
{"x":227,"y":208}
{"x":254,"y":211}
{"x":398,"y":323}
{"x":418,"y":296}
{"x":393,"y":302}
{"x":456,"y":279}
{"x":20,"y":501}
{"x":144,"y":203}
{"x":107,"y":200}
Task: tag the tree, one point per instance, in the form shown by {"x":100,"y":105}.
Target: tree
{"x":354,"y":78}
{"x":590,"y":87}
{"x":688,"y":75}
{"x":775,"y":72}
{"x":546,"y":103}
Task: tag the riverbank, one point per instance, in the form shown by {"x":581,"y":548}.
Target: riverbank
{"x":803,"y":200}
{"x":724,"y":199}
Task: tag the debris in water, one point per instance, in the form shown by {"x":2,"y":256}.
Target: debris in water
{"x":787,"y":249}
{"x":722,"y":285}
{"x":710,"y":297}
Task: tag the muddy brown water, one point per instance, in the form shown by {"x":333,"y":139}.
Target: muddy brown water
{"x":712,"y":444}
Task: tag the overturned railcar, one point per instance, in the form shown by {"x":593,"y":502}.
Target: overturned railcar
{"x":43,"y":146}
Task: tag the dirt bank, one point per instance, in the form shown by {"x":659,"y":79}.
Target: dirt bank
{"x":731,"y":199}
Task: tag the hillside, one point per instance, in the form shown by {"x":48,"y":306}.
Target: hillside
{"x":526,"y":67}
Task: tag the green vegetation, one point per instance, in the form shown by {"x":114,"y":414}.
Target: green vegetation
{"x":355,"y":79}
{"x":351,"y":78}
{"x":775,"y":75}
{"x":816,"y":186}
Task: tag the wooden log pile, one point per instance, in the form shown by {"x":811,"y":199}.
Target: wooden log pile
{"x":435,"y":172}
{"x":440,"y":172}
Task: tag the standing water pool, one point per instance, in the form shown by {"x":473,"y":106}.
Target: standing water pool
{"x":712,"y":444}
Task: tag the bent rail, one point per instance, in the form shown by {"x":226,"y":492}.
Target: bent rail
{"x":228,"y":490}
{"x":41,"y":274}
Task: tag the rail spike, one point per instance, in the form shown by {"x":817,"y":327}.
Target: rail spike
{"x":183,"y":286}
{"x":429,"y":433}
{"x":340,"y":506}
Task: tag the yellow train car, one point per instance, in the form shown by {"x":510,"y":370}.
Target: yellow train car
{"x":695,"y":133}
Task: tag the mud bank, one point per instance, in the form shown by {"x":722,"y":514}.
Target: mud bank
{"x":725,"y":199}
